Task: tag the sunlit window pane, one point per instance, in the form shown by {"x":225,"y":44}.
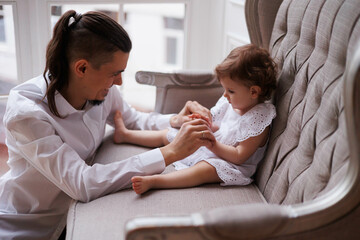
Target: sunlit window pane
{"x":171,"y":46}
{"x":174,"y":23}
{"x":8,"y":68}
{"x":8,"y":73}
{"x":157,"y":33}
{"x":2,"y":29}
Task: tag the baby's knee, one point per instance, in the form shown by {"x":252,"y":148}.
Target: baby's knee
{"x":209,"y":171}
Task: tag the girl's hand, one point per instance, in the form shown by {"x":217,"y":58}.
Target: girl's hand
{"x":212,"y":126}
{"x":198,"y":116}
{"x":190,"y":107}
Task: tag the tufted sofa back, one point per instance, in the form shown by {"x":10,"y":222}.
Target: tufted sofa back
{"x":308,"y":151}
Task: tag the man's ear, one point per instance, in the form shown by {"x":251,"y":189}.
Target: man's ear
{"x":255,"y":91}
{"x":80,"y":67}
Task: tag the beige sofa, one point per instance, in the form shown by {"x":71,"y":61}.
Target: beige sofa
{"x":308,"y":185}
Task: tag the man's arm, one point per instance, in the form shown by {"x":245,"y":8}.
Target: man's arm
{"x":189,"y":138}
{"x":38,"y":143}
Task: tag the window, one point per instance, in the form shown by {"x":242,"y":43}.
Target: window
{"x":8,"y":68}
{"x":2,"y":25}
{"x":109,"y":9}
{"x":152,"y":49}
{"x":174,"y":33}
{"x":167,"y":35}
{"x":171,"y":46}
{"x":174,"y":23}
{"x":8,"y":72}
{"x":156,"y":46}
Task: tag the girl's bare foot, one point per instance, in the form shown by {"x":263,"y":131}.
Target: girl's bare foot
{"x":120,"y":129}
{"x":141,"y":184}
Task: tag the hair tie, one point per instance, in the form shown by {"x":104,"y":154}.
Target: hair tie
{"x":74,"y":19}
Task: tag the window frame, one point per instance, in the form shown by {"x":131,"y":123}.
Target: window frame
{"x":35,"y":31}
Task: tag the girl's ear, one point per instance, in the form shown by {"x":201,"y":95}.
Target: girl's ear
{"x":80,"y":67}
{"x":255,"y":91}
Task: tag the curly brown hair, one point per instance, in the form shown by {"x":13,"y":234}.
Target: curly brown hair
{"x":252,"y":66}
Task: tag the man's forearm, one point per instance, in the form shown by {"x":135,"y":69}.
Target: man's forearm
{"x":169,"y":155}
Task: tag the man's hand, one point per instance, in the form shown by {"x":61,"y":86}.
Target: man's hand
{"x":190,"y":137}
{"x":191,"y":107}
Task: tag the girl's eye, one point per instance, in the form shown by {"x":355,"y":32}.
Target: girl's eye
{"x":231,"y":91}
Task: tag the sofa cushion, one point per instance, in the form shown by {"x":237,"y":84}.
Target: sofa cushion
{"x":115,"y":209}
{"x":308,"y":151}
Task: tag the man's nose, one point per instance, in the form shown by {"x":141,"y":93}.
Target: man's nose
{"x":118,"y":81}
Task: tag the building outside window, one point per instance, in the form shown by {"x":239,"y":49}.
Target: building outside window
{"x":174,"y":34}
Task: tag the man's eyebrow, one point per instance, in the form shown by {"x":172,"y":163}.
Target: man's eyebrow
{"x":117,"y":72}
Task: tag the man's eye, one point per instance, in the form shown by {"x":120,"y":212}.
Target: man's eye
{"x":116,"y":74}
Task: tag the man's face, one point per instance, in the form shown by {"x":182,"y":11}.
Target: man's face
{"x":97,"y":82}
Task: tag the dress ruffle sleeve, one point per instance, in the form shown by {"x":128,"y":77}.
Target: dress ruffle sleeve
{"x":254,"y":122}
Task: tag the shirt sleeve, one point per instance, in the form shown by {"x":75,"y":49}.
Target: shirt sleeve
{"x":134,"y":119}
{"x":37,"y":142}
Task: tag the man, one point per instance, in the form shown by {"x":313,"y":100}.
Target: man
{"x":55,"y":122}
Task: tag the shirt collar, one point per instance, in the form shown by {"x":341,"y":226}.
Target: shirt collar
{"x":63,"y":106}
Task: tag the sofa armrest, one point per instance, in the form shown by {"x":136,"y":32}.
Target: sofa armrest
{"x":174,"y":89}
{"x":235,"y":222}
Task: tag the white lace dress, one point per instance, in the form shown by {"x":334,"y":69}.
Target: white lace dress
{"x":234,"y":128}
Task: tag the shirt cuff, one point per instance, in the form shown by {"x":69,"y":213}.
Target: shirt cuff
{"x":152,"y":161}
{"x":164,"y":121}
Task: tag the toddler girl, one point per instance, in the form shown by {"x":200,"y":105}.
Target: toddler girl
{"x":240,"y":123}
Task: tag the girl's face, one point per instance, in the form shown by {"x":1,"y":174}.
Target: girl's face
{"x":241,"y":97}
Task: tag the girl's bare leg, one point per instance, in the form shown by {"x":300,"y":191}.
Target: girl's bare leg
{"x":145,"y":138}
{"x":119,"y":128}
{"x":200,"y":173}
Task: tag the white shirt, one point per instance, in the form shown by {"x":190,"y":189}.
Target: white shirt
{"x":50,"y":157}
